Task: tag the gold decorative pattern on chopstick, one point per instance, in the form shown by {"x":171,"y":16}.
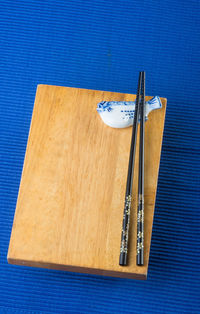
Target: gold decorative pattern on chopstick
{"x":140,"y":217}
{"x":140,"y":235}
{"x":140,"y":246}
{"x":141,"y":198}
{"x":128,"y":204}
{"x":125,"y":226}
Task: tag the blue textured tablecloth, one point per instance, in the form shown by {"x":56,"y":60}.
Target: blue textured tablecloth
{"x":102,"y":45}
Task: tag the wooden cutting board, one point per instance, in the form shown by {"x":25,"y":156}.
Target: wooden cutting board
{"x":71,"y":199}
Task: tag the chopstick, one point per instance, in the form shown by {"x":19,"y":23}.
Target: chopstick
{"x":128,"y":195}
{"x":140,"y":210}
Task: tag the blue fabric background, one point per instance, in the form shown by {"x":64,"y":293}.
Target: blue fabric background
{"x":102,"y":45}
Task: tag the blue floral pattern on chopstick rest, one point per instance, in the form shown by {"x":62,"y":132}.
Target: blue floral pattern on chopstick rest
{"x":119,"y":114}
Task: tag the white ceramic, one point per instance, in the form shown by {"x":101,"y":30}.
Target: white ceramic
{"x":119,"y":114}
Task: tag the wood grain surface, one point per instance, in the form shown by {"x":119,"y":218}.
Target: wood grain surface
{"x":71,"y":199}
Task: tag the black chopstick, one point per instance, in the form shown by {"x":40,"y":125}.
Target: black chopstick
{"x":128,"y":195}
{"x":140,"y":211}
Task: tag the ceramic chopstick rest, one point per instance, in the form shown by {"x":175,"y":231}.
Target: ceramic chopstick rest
{"x":120,"y":114}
